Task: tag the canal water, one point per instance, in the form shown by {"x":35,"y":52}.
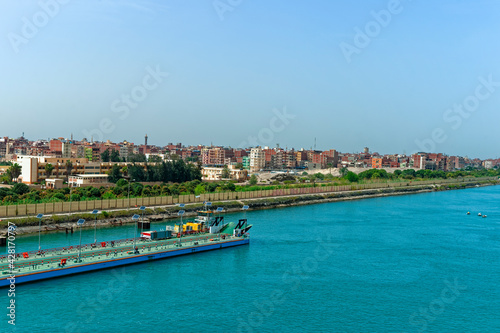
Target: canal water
{"x":414,"y":263}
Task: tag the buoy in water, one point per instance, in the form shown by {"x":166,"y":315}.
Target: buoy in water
{"x":468,"y":213}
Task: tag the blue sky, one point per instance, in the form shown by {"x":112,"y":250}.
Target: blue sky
{"x":233,"y":66}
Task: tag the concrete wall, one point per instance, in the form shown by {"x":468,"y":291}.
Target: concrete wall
{"x":87,"y":206}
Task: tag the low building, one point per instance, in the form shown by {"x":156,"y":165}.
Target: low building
{"x":312,"y":165}
{"x":88,"y":180}
{"x":54,"y":183}
{"x":3,"y":169}
{"x":488,"y":164}
{"x":215,"y":174}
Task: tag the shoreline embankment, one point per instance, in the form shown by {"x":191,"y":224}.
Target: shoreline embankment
{"x":67,"y":222}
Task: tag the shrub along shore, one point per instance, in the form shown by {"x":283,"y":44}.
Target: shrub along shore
{"x":65,"y":222}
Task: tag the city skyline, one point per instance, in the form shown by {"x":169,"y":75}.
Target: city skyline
{"x":398,"y":76}
{"x":41,"y":144}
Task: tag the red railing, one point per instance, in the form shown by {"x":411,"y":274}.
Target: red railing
{"x":97,"y":251}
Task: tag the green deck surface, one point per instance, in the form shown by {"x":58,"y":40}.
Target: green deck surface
{"x":52,"y":259}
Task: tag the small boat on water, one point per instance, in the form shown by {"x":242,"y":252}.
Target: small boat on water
{"x":478,"y":214}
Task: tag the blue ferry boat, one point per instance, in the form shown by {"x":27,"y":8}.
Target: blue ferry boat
{"x":206,"y":233}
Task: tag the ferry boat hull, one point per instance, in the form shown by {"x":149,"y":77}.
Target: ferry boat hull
{"x":7,"y":280}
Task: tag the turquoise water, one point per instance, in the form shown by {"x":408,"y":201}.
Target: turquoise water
{"x":413,"y":263}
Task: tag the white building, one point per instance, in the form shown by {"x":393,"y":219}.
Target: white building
{"x":87,"y":180}
{"x":215,"y":174}
{"x":488,"y":164}
{"x":257,"y":159}
{"x":29,"y":169}
{"x":164,"y":157}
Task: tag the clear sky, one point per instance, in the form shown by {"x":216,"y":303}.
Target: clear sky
{"x":394,"y":76}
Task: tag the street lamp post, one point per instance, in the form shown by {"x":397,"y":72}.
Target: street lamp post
{"x":70,"y":193}
{"x":129,"y":192}
{"x":142,"y":208}
{"x":208,"y":204}
{"x":95,"y":212}
{"x":39,"y":217}
{"x":180,"y":213}
{"x":245,"y":208}
{"x":80,"y":223}
{"x":219,"y":210}
{"x":135,"y":218}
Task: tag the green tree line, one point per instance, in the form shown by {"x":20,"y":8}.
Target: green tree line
{"x":23,"y":194}
{"x":165,"y":171}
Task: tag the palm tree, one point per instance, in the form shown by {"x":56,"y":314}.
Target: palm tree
{"x":225,"y":172}
{"x":15,"y":171}
{"x":69,"y":168}
{"x":343,"y":171}
{"x":48,"y":170}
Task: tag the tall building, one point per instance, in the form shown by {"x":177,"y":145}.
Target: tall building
{"x":3,"y":146}
{"x":257,"y":159}
{"x":213,"y":156}
{"x":66,"y":150}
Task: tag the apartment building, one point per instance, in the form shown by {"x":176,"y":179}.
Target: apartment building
{"x":213,"y":156}
{"x":257,"y":159}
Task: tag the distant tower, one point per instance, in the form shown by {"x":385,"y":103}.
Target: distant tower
{"x":314,"y":143}
{"x":366,"y":150}
{"x":146,"y":140}
{"x":71,"y":136}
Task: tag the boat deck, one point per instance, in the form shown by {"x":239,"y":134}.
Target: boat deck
{"x":35,"y":261}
